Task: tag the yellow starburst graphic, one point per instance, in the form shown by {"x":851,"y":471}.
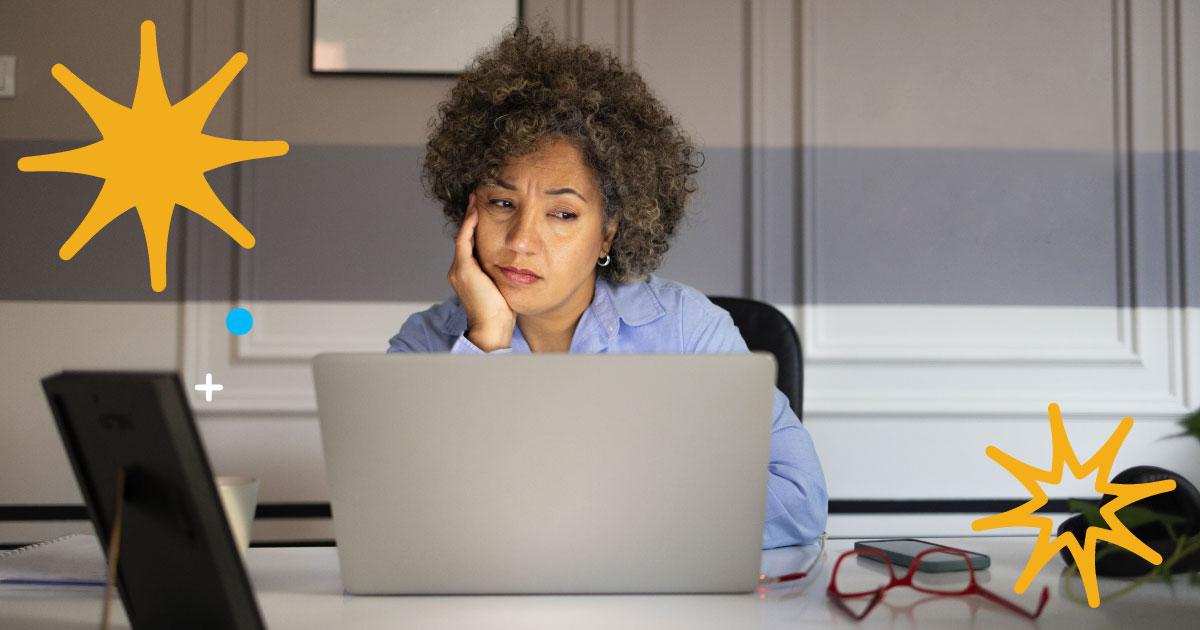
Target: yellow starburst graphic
{"x":1101,"y":463}
{"x":153,"y":156}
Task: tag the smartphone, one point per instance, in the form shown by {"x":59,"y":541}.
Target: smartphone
{"x":901,"y":552}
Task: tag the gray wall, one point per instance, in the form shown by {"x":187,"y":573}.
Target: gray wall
{"x":984,"y":166}
{"x":1029,"y":168}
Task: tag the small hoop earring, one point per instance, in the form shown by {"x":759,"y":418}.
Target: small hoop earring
{"x":603,"y":262}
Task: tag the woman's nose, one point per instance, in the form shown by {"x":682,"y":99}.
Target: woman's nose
{"x":523,"y":234}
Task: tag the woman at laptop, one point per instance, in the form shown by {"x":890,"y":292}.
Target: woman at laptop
{"x":566,"y":179}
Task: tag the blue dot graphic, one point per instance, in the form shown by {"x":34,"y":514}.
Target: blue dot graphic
{"x":239,"y":321}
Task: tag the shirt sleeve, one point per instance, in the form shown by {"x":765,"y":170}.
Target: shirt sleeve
{"x":418,"y":335}
{"x":797,"y":502}
{"x":462,"y":345}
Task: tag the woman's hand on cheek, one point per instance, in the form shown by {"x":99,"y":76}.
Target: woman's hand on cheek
{"x":490,"y":321}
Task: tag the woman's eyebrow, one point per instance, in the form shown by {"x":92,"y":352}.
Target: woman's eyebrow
{"x":554,"y":191}
{"x":563,"y":191}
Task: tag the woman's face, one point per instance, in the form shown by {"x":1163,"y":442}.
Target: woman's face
{"x":541,"y":230}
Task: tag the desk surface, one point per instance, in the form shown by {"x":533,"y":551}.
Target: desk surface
{"x":300,"y":588}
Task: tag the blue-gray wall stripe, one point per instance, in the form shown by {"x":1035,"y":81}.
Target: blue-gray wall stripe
{"x":888,"y":226}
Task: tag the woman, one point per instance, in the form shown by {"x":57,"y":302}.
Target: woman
{"x":566,"y":179}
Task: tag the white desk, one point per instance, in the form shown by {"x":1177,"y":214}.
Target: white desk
{"x":300,"y":588}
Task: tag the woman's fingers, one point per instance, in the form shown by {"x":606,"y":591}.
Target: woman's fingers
{"x":464,"y":263}
{"x":489,"y":317}
{"x":464,"y":247}
{"x":465,"y":241}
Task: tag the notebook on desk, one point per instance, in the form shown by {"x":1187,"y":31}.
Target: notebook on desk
{"x":546,"y":473}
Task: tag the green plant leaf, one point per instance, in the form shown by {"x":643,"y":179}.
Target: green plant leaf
{"x":1191,"y":425}
{"x":1131,"y":515}
{"x":1089,"y":509}
{"x":1166,"y":576}
{"x":1136,"y":515}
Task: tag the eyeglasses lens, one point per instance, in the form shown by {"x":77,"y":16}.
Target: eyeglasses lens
{"x":861,"y":574}
{"x":942,"y":572}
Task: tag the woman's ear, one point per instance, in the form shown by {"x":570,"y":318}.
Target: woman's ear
{"x":610,"y":232}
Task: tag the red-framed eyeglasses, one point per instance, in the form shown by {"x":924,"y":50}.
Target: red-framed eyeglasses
{"x":846,"y":589}
{"x":764,"y":580}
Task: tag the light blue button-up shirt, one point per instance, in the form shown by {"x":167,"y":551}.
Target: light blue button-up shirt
{"x":661,"y":316}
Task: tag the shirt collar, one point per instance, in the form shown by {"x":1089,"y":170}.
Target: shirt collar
{"x":634,"y":303}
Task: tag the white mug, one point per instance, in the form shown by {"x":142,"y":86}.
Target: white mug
{"x":239,"y":497}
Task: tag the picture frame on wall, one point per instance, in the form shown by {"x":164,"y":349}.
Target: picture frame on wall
{"x":404,"y":37}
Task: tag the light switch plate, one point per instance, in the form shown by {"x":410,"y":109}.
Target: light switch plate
{"x":8,"y":76}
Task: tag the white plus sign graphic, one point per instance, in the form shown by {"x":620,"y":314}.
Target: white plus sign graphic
{"x":208,"y":388}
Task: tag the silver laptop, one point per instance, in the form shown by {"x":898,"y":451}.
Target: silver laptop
{"x":550,"y":473}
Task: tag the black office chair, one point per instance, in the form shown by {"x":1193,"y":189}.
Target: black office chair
{"x":765,"y":328}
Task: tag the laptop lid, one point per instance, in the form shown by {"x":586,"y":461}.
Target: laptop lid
{"x":549,"y":473}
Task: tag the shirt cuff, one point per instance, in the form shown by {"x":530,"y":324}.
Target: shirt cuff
{"x":462,"y":345}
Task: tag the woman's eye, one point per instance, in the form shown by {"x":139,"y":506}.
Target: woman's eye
{"x":563,"y":214}
{"x":501,"y":203}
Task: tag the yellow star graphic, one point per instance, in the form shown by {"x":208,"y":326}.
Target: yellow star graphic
{"x":1101,"y":462}
{"x":153,"y":156}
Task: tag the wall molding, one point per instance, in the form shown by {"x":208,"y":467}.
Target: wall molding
{"x":607,"y":23}
{"x":322,"y":510}
{"x":934,"y":348}
{"x":770,"y":123}
{"x":861,"y":362}
{"x":992,"y":365}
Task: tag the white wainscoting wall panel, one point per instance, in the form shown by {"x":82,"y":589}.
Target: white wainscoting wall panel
{"x":901,"y":399}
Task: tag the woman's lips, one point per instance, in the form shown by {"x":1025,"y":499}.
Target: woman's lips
{"x":523,"y":277}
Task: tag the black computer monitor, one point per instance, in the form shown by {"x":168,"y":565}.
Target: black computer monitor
{"x":178,"y":565}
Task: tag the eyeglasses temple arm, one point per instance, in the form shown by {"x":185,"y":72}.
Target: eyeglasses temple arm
{"x":763,"y":579}
{"x":1014,"y":607}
